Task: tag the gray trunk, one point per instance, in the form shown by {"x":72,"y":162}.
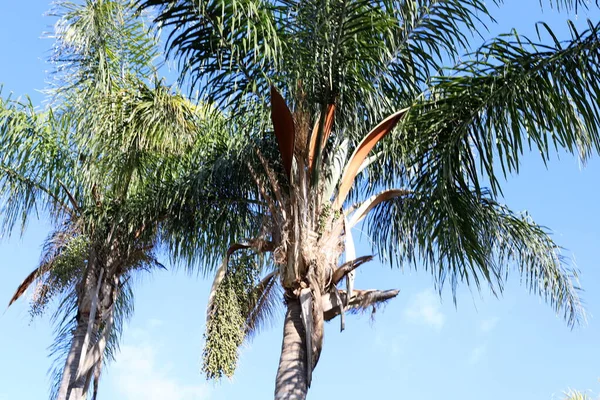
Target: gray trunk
{"x":72,"y":384}
{"x":70,"y":370}
{"x":291,"y":383}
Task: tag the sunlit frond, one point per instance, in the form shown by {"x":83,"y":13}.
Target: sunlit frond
{"x":462,"y":237}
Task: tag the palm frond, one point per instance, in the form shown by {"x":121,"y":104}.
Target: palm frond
{"x":98,"y":43}
{"x":35,"y":157}
{"x":463,"y":237}
{"x":220,"y":42}
{"x":265,"y":301}
{"x":512,"y":95}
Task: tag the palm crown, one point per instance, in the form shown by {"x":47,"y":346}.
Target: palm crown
{"x":112,"y":133}
{"x":368,"y":126}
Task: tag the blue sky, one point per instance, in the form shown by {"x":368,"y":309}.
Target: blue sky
{"x":416,"y":347}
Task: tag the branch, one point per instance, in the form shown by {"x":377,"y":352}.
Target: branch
{"x":360,"y":300}
{"x":348,"y":267}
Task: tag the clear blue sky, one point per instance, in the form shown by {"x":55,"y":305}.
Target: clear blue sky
{"x":417,"y":346}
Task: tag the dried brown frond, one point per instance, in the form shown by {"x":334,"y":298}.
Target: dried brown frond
{"x":361,"y":300}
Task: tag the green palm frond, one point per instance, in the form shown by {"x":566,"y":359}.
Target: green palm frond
{"x":223,"y":42}
{"x":214,"y":196}
{"x":367,"y":56}
{"x":264,"y":304}
{"x":138,"y":133}
{"x":35,"y":159}
{"x":514,"y":95}
{"x":64,"y":321}
{"x":465,"y":237}
{"x":98,"y":43}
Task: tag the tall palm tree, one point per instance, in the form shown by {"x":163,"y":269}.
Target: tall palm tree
{"x":340,"y":112}
{"x":114,"y":132}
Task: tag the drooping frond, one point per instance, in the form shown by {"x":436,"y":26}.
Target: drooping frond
{"x":215,"y":196}
{"x":64,"y":321}
{"x":513,"y":95}
{"x":229,"y":45}
{"x":65,"y":324}
{"x":34,"y":157}
{"x":97,"y":45}
{"x":265,"y":301}
{"x":463,"y":237}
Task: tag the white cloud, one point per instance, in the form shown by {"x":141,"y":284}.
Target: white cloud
{"x":488,"y":325}
{"x":477,"y":354}
{"x":138,"y":376}
{"x":425,"y":308}
{"x":154,"y":322}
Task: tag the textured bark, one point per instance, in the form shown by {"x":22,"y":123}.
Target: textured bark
{"x":77,"y":380}
{"x":86,"y":294}
{"x":92,"y":365}
{"x":70,"y":370}
{"x":291,"y":383}
{"x":73,"y":382}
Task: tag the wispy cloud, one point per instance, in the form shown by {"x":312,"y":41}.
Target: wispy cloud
{"x":154,"y":322}
{"x":477,"y":354}
{"x":425,"y":308}
{"x":488,"y":324}
{"x":139,"y":376}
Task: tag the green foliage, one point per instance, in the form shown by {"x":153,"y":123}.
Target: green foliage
{"x":127,"y":163}
{"x":93,"y":160}
{"x":469,"y":121}
{"x":63,"y":264}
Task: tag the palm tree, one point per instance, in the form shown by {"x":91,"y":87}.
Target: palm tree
{"x":340,"y":112}
{"x":90,"y":161}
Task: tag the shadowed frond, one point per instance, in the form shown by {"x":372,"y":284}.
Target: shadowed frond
{"x":513,"y":95}
{"x":285,"y":131}
{"x":265,"y":302}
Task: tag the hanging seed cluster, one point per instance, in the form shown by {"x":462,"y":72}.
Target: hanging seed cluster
{"x":225,"y":328}
{"x":62,"y":268}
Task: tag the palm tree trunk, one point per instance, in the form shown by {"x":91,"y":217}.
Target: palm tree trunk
{"x":72,"y":385}
{"x":291,"y":383}
{"x":70,"y":370}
